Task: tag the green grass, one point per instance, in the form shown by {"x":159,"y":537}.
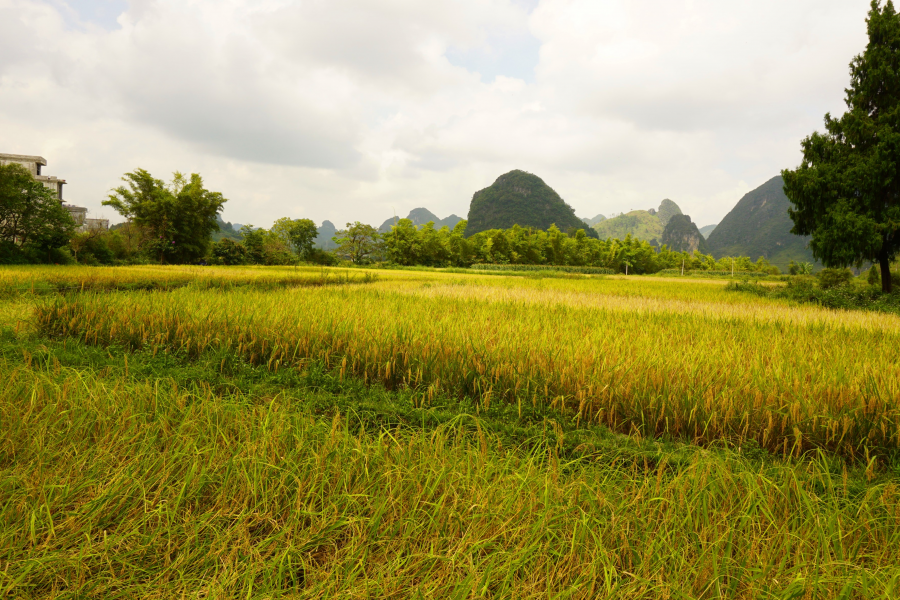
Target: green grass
{"x":122,"y":486}
{"x":166,"y":472}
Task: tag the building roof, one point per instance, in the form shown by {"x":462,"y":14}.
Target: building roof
{"x":50,"y":178}
{"x":24,"y":157}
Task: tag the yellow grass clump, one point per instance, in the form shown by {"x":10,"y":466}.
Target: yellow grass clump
{"x":114,"y":488}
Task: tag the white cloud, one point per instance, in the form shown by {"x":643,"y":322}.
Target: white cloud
{"x":350,"y":109}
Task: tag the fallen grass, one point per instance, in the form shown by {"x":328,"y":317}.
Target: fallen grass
{"x":119,"y":487}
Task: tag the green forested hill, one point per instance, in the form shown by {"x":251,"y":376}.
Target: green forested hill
{"x":231,"y":231}
{"x":645,"y":225}
{"x":641,"y":224}
{"x":520,"y":198}
{"x":681,"y":234}
{"x":759,"y":225}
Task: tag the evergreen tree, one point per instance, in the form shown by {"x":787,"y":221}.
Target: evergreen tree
{"x":846,"y":192}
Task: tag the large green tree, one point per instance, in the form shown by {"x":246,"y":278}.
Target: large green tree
{"x":846,"y":192}
{"x":403,"y":243}
{"x":32,"y":219}
{"x":177,"y":220}
{"x":299,"y":234}
{"x":358,"y":243}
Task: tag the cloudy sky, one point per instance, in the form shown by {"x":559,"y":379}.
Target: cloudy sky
{"x":357,"y":109}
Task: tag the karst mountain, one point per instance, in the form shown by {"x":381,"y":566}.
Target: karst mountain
{"x":521,"y":198}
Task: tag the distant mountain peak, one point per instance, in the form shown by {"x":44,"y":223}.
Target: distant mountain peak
{"x":594,"y":221}
{"x":667,"y":210}
{"x":524,"y":199}
{"x":419,"y":217}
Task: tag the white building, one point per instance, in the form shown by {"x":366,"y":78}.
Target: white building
{"x":33,"y":164}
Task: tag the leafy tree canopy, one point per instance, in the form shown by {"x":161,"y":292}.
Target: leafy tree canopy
{"x":177,"y":220}
{"x":32,"y":219}
{"x":299,"y":234}
{"x":846,"y":192}
{"x":358,"y":243}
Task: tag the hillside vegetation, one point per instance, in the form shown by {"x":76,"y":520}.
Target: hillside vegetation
{"x":667,"y":209}
{"x":640,"y":224}
{"x":520,"y":198}
{"x":647,"y":225}
{"x":759,"y":225}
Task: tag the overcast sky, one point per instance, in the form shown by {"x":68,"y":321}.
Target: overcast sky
{"x":354,"y":109}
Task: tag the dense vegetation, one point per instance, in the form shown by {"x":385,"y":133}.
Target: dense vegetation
{"x":523,"y":199}
{"x":647,"y":225}
{"x":180,"y":222}
{"x":759,"y":225}
{"x":707,"y":229}
{"x":440,"y":435}
{"x":593,"y":221}
{"x":640,"y":224}
{"x":174,"y":222}
{"x":831,"y":288}
{"x":408,"y":245}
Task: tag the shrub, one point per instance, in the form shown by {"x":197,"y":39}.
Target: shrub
{"x":229,"y":252}
{"x":832,"y":278}
{"x":317,"y":256}
{"x":874,"y":276}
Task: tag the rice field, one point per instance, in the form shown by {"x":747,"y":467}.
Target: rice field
{"x":171,"y":432}
{"x":36,"y":280}
{"x":687,"y":366}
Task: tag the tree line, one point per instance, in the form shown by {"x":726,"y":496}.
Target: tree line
{"x":174,"y":222}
